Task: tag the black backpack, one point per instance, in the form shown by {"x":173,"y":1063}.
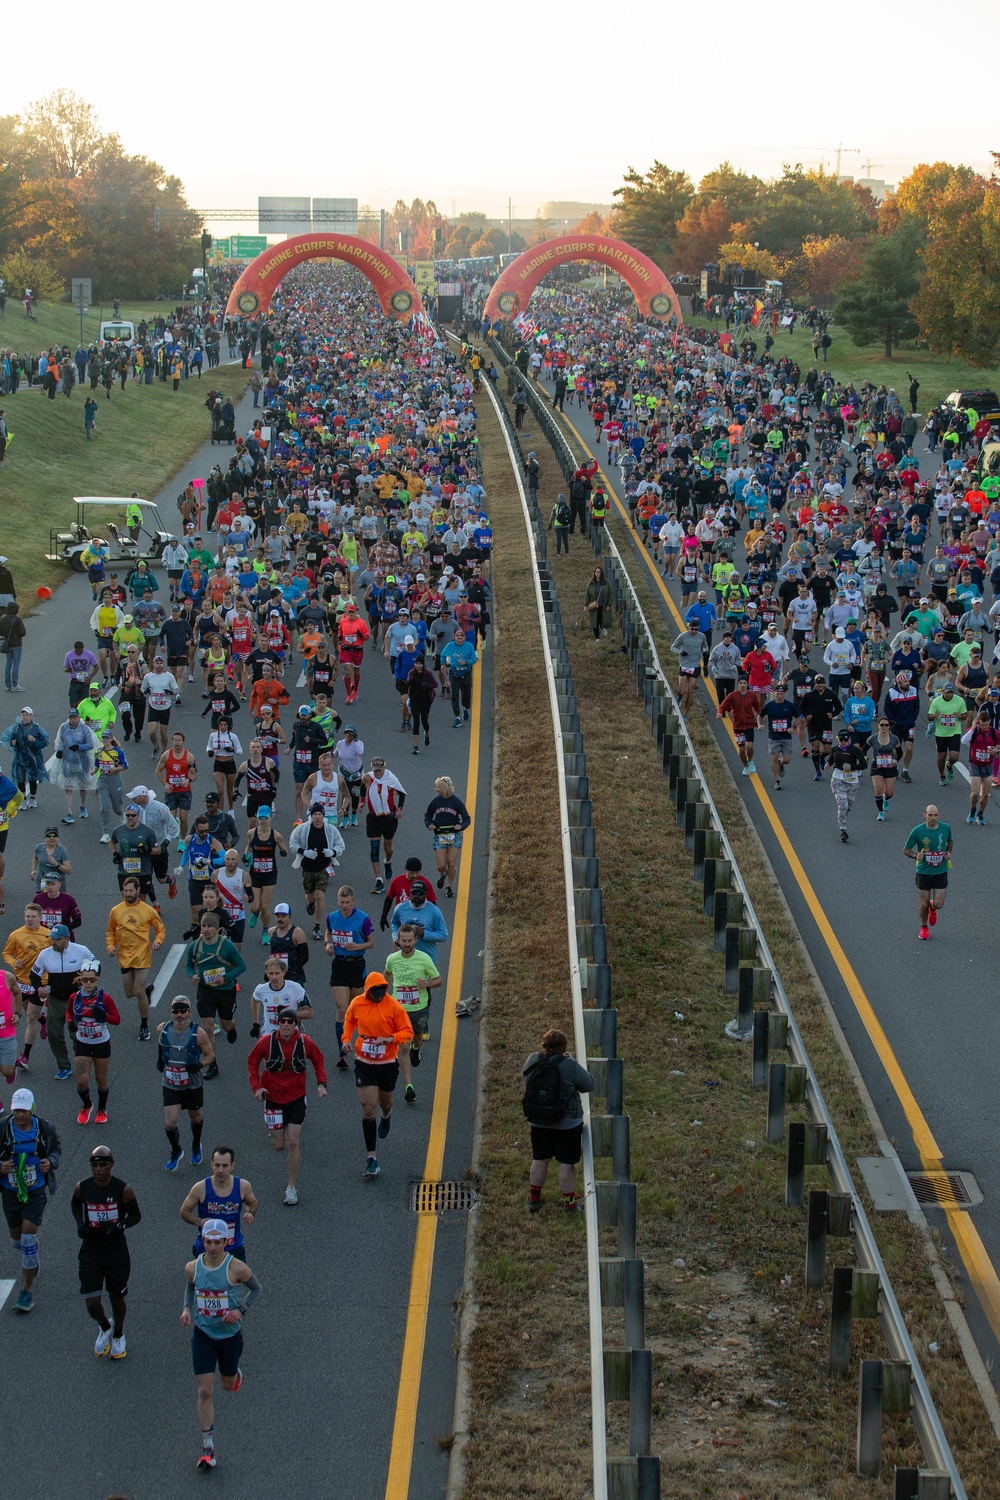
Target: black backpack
{"x":544,"y":1101}
{"x":563,"y":513}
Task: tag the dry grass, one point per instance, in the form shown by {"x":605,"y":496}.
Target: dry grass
{"x":528,"y":1354}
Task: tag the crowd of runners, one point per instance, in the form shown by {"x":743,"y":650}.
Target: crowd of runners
{"x":345,"y":556}
{"x":834,"y":558}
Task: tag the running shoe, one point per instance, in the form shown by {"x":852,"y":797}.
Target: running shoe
{"x":25,"y":1301}
{"x":196,"y":1155}
{"x":105,"y":838}
{"x":449,"y":891}
{"x":345,"y":821}
{"x":777,"y":786}
{"x":932,"y":916}
{"x":22,"y":1063}
{"x":43,"y":1025}
{"x":843,"y":835}
{"x":751,"y":769}
{"x":62,"y":1074}
{"x":378,"y":887}
{"x":924,"y":934}
{"x":534,"y":1205}
{"x":384,"y":1126}
{"x":174,"y":1160}
{"x":291,"y":1197}
{"x":207,"y":1459}
{"x":237,"y":1382}
{"x":212,"y":1071}
{"x":971,"y":818}
{"x":371,"y":1170}
{"x":942,"y":781}
{"x":905,"y":776}
{"x":980,"y":820}
{"x":253,"y":920}
{"x":317,"y":933}
{"x":465,"y":711}
{"x":143,"y":1031}
{"x":805,"y":752}
{"x":265,"y":939}
{"x":880,"y":816}
{"x":118,"y":1347}
{"x":172,"y":888}
{"x":456,"y":723}
{"x":216,"y":1029}
{"x":103,"y":1342}
{"x":441,"y":881}
{"x":84,"y":813}
{"x":69,"y":818}
{"x":410,"y":1094}
{"x":414,"y":1057}
{"x":83,"y":1118}
{"x":310,"y":907}
{"x":354,"y":820}
{"x":101,"y":1118}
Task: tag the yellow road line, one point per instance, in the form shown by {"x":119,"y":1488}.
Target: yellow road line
{"x":408,"y":1392}
{"x":981,"y":1270}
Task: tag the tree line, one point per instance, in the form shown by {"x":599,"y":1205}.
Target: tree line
{"x":73,"y":202}
{"x":925,"y":262}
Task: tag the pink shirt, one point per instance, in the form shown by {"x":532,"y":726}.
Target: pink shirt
{"x":8,"y":1027}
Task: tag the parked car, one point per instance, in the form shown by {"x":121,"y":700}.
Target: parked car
{"x":986,"y":403}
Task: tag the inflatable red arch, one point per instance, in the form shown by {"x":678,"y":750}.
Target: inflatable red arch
{"x":653,"y":293}
{"x":253,"y":292}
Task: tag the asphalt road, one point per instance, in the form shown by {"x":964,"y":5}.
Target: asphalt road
{"x":323,"y":1345}
{"x":936,"y":1001}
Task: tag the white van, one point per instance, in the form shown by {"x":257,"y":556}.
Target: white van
{"x":117,"y":331}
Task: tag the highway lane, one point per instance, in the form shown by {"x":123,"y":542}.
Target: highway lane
{"x":324,"y":1344}
{"x":935,"y":1001}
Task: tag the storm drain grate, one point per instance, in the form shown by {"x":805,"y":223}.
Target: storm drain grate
{"x":441,"y":1197}
{"x":946,"y":1189}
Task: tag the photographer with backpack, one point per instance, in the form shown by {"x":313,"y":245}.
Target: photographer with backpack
{"x":559,"y":521}
{"x":553,"y":1083}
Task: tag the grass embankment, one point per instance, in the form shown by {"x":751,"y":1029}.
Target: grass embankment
{"x":848,"y":361}
{"x":744,"y":1405}
{"x":59,"y":323}
{"x":144,"y":435}
{"x":529,"y":1402}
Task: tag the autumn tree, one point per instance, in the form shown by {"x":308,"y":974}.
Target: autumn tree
{"x":799,"y":204}
{"x":958,"y":304}
{"x":830,"y":261}
{"x":701,"y":229}
{"x":649,"y":208}
{"x":738,"y":191}
{"x":758,"y":265}
{"x":876,"y":304}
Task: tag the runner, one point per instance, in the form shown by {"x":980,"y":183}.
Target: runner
{"x":177,"y":771}
{"x":776,"y":718}
{"x":382,"y":1027}
{"x":744,"y":709}
{"x":277,"y":1071}
{"x":29,"y":1156}
{"x":135,"y":932}
{"x":222,"y":750}
{"x":263,"y":844}
{"x":221,"y":1196}
{"x":322,"y":787}
{"x":352,"y":632}
{"x":184,"y":1050}
{"x":162,"y":693}
{"x":412,"y":975}
{"x":848,"y":760}
{"x":316,"y":847}
{"x":217,"y":964}
{"x":90,"y":1011}
{"x":350,"y":754}
{"x":104,"y":1207}
{"x":983,"y":741}
{"x":278,"y":992}
{"x":20,"y":952}
{"x":308,"y":740}
{"x":232,"y":881}
{"x":349,"y":937}
{"x":220,"y":1291}
{"x":10,"y":1014}
{"x":885,"y":752}
{"x":946,"y":713}
{"x":930,"y":844}
{"x":819,"y":708}
{"x":133,"y":845}
{"x":201,"y":857}
{"x":447,"y":817}
{"x":384,"y":798}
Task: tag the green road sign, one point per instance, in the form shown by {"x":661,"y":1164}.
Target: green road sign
{"x":247,"y":246}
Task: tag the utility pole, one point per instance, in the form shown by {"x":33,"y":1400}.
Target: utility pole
{"x":851,"y":151}
{"x":381,"y":228}
{"x":508,"y":226}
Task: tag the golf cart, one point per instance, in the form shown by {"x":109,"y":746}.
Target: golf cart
{"x":104,"y":517}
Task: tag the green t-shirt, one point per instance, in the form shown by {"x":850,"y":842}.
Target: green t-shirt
{"x":948,"y":715}
{"x":932,"y":843}
{"x":924,"y":620}
{"x":408,"y":978}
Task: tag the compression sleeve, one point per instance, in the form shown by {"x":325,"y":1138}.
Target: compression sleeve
{"x":254,"y":1290}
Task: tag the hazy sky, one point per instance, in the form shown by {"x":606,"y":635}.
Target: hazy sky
{"x":466,"y":104}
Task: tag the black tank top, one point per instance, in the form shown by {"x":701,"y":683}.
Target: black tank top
{"x":975,"y":678}
{"x":322,"y":674}
{"x":262,"y":855}
{"x":282,"y":946}
{"x":259,"y":779}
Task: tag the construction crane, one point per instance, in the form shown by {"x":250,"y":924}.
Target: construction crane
{"x":840,"y":149}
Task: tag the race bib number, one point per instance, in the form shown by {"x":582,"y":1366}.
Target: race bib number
{"x":408,"y":994}
{"x":282,"y":958}
{"x":131,"y":864}
{"x":89,"y":1031}
{"x":341,"y":939}
{"x":933,"y":858}
{"x":211,"y":1304}
{"x":176,"y":1076}
{"x":304,"y":757}
{"x":26,"y":989}
{"x":274,"y":1117}
{"x":850,"y":778}
{"x":158,"y":701}
{"x":30,"y":1177}
{"x":214,"y":977}
{"x":446,"y":838}
{"x":102,"y":1213}
{"x":372,"y":1051}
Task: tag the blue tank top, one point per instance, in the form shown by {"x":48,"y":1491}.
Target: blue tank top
{"x":213,"y":1296}
{"x":216,"y":1207}
{"x":26,"y":1159}
{"x":200,"y":858}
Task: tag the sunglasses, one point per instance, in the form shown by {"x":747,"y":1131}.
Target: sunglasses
{"x":180,"y":1010}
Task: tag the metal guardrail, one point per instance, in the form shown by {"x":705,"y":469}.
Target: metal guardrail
{"x":617,"y":1373}
{"x":752,"y":974}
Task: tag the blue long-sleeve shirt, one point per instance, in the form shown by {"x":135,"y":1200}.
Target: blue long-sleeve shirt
{"x":435,"y":927}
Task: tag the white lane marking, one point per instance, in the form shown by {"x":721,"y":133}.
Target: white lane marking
{"x":52,"y":758}
{"x":6,"y":1287}
{"x":302,"y":678}
{"x":173,"y":958}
